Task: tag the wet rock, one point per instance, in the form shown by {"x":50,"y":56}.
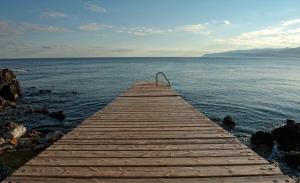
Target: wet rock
{"x":290,"y":122}
{"x":44,"y":91}
{"x":261,"y":138}
{"x":57,"y":115}
{"x":3,"y":103}
{"x":288,"y":136}
{"x":15,"y":132}
{"x":33,"y":133}
{"x":24,"y":143}
{"x":41,"y":111}
{"x":6,"y":148}
{"x":40,"y":147}
{"x":293,"y":158}
{"x":2,"y":141}
{"x":228,"y":121}
{"x":54,"y":136}
{"x":9,"y":86}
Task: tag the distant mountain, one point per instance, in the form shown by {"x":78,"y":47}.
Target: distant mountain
{"x":266,"y":52}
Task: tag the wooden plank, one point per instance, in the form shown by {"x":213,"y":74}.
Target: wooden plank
{"x":148,"y":154}
{"x":138,"y":147}
{"x":147,"y":162}
{"x":147,"y":172}
{"x":245,"y":179}
{"x":151,"y":141}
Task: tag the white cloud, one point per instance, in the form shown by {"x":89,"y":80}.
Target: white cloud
{"x":285,"y":34}
{"x":41,"y":28}
{"x":194,"y":28}
{"x":94,"y":27}
{"x":95,"y":8}
{"x":53,"y":14}
{"x":227,"y":22}
{"x":142,"y":31}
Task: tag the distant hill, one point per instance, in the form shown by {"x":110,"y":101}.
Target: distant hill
{"x":266,"y":52}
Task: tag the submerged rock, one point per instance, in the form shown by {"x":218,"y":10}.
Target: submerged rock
{"x":288,"y":136}
{"x":41,"y":111}
{"x":44,"y":91}
{"x":10,"y":88}
{"x":261,"y":138}
{"x":57,"y":115}
{"x":228,"y":121}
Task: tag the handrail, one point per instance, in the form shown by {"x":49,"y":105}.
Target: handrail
{"x":163,"y":74}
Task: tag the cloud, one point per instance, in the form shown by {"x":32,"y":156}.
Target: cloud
{"x":95,"y":8}
{"x":195,"y":28}
{"x":94,"y":27}
{"x":53,"y":14}
{"x":285,"y":34}
{"x":7,"y":29}
{"x":41,"y":28}
{"x":142,"y":31}
{"x":227,"y":22}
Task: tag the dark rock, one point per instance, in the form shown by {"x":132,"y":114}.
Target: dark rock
{"x":40,"y":147}
{"x":41,"y":111}
{"x":290,"y":122}
{"x":228,"y":120}
{"x":261,"y":138}
{"x":57,"y":115}
{"x":293,"y":158}
{"x":10,"y":88}
{"x":288,"y":136}
{"x":44,"y":91}
{"x":54,"y":136}
{"x":24,"y":143}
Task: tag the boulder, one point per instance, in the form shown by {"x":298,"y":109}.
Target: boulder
{"x":228,"y":121}
{"x":15,"y":132}
{"x":261,"y":138}
{"x":54,"y":136}
{"x":10,"y":88}
{"x":57,"y":115}
{"x":288,"y":136}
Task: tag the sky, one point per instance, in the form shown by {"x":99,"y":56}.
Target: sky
{"x":144,"y":28}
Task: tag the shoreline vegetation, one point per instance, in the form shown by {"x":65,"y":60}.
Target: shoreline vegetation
{"x":18,"y":144}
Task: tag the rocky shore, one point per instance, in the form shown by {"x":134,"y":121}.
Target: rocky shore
{"x":19,"y":144}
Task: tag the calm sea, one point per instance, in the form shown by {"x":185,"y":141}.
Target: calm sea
{"x":259,"y":93}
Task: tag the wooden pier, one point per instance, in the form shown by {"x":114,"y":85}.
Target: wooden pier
{"x":148,"y":134}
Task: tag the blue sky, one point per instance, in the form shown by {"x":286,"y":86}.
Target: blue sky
{"x":79,"y":28}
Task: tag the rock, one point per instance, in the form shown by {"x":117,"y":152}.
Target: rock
{"x":24,"y":142}
{"x":290,"y":122}
{"x":57,"y":115}
{"x":44,"y":91}
{"x":5,"y":148}
{"x":2,"y":141}
{"x":15,"y":132}
{"x":54,"y":136}
{"x":293,"y":158}
{"x":288,"y":136}
{"x":33,"y":133}
{"x":41,"y":111}
{"x":228,"y":120}
{"x":261,"y":138}
{"x":9,"y":86}
{"x":3,"y":103}
{"x":40,"y":147}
